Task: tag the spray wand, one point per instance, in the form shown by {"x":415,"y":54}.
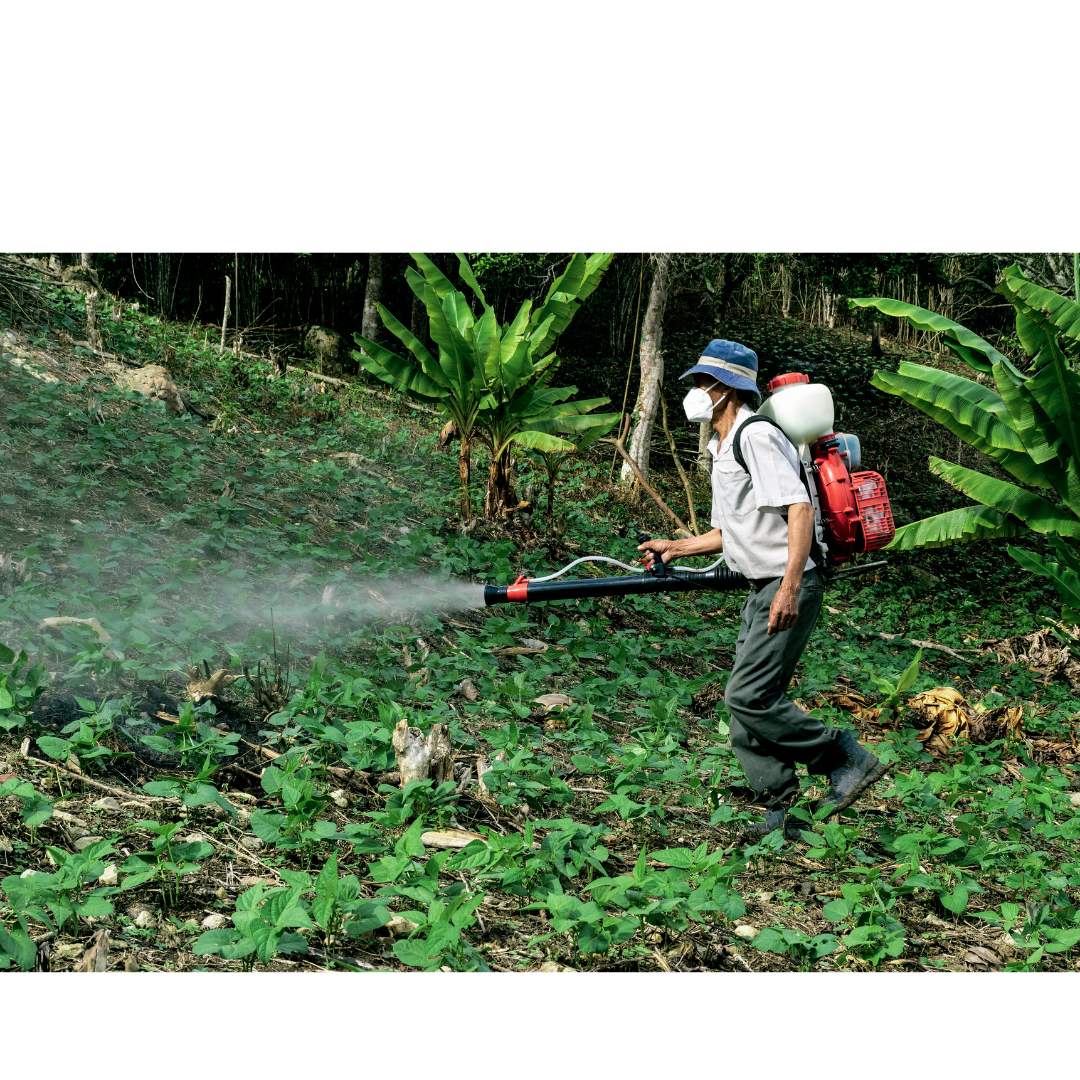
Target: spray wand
{"x":658,"y":578}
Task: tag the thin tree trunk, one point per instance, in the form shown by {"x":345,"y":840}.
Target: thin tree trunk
{"x":372,"y":325}
{"x":93,"y":334}
{"x":704,"y":458}
{"x":418,"y":320}
{"x":464,"y":471}
{"x":651,"y":362}
{"x":225,"y":317}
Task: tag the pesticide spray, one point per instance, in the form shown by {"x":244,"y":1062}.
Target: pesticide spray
{"x":851,"y":511}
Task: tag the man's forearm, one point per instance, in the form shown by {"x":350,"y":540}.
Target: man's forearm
{"x":800,"y":537}
{"x":710,"y":543}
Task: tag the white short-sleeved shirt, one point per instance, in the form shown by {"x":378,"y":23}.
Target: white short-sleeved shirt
{"x":751,"y":507}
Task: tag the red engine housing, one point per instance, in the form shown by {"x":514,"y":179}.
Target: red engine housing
{"x":854,"y":507}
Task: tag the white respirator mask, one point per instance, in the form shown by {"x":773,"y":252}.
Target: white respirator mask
{"x":698,"y":406}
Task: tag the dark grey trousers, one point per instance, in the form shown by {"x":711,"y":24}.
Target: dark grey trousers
{"x":769,"y":733}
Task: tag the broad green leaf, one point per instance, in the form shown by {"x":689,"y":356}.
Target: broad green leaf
{"x":1041,"y":438}
{"x":17,"y":947}
{"x":467,"y":275}
{"x":1031,"y":335}
{"x":415,"y":952}
{"x":969,"y":347}
{"x":513,"y":333}
{"x":955,"y":527}
{"x":365,"y":917}
{"x":1056,"y":387}
{"x":6,"y":655}
{"x":837,"y":910}
{"x":400,"y":373}
{"x":538,"y":440}
{"x":438,"y":281}
{"x":1065,"y":579}
{"x":907,"y":680}
{"x":427,"y":362}
{"x":1037,"y":513}
{"x":571,"y":279}
{"x":57,"y":749}
{"x":770,"y":940}
{"x":1049,"y":310}
{"x":955,"y":901}
{"x":729,"y":903}
{"x":976,"y":408}
{"x":267,"y":825}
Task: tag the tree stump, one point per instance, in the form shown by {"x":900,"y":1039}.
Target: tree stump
{"x":421,"y":758}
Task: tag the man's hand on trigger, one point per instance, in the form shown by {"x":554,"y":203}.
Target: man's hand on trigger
{"x":784,"y":610}
{"x":657,"y":547}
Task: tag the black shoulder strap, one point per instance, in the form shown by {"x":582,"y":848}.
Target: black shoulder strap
{"x":737,"y":446}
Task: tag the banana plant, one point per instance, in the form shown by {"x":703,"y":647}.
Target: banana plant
{"x":551,"y":462}
{"x":490,"y":379}
{"x":1029,"y":424}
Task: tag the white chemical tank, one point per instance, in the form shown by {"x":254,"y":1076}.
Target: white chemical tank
{"x":804,"y":410}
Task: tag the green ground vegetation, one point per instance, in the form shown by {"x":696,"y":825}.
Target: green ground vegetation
{"x":268,"y":540}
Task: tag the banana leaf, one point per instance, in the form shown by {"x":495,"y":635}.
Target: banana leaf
{"x":955,"y":527}
{"x":515,"y":331}
{"x":1056,"y":387}
{"x":434,"y":277}
{"x":969,"y":347}
{"x":1049,"y":310}
{"x":428,"y":362}
{"x":467,"y":275}
{"x":1037,"y":513}
{"x":400,"y":373}
{"x":540,"y":440}
{"x":1041,"y":438}
{"x":1065,"y":579}
{"x":572,"y":424}
{"x":970,"y":411}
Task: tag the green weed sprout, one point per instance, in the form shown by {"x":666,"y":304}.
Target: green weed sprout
{"x":892,"y":692}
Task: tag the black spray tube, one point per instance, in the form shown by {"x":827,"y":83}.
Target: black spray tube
{"x":658,"y":579}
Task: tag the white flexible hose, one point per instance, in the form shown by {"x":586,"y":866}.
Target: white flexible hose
{"x":703,"y":570}
{"x":587,"y":558}
{"x":615,"y":562}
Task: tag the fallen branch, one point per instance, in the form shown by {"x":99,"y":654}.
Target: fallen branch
{"x":97,"y":783}
{"x":902,"y":640}
{"x":641,"y":479}
{"x":399,"y":399}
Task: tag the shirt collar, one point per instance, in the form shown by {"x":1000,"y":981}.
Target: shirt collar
{"x":744,"y":413}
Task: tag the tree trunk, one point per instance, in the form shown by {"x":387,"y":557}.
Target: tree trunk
{"x":418,"y":320}
{"x":704,"y":458}
{"x":93,"y":334}
{"x":225,"y":317}
{"x":371,"y":326}
{"x":465,"y":471}
{"x":500,"y":493}
{"x":651,"y":362}
{"x":875,"y":341}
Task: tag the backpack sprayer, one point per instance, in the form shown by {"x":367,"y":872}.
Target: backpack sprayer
{"x":852,"y":515}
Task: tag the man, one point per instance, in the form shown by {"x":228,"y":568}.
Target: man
{"x":763,"y":521}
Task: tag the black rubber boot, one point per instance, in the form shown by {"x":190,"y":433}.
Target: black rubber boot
{"x":854,"y":776}
{"x":774,"y":820}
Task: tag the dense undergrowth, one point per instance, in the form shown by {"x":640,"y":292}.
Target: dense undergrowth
{"x":610,"y":828}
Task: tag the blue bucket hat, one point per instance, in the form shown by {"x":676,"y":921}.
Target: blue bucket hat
{"x":730,"y":363}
